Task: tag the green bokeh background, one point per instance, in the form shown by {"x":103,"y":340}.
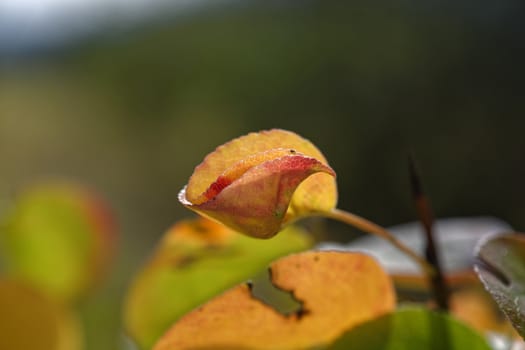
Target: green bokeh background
{"x":132,"y":112}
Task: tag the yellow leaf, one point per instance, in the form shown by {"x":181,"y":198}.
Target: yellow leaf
{"x":257,"y":183}
{"x":30,"y":320}
{"x":337,"y":290}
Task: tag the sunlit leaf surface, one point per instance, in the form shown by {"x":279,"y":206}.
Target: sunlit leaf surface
{"x":337,"y":291}
{"x":260,"y":181}
{"x":29,"y":320}
{"x":501,"y":268}
{"x":59,"y":237}
{"x":412,"y":328}
{"x":196,"y":260}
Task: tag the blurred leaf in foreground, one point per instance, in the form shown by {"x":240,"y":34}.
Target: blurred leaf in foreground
{"x":337,"y":291}
{"x":259,"y":182}
{"x":59,"y":237}
{"x":196,"y":260}
{"x":501,"y":268}
{"x":474,"y":306}
{"x":412,"y":328}
{"x":30,"y":320}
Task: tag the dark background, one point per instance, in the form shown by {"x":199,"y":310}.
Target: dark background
{"x":131,"y":112}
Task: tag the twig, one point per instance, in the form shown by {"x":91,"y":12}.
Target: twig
{"x":369,"y":227}
{"x":424,"y":211}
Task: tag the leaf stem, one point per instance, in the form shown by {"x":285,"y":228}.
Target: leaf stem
{"x":370,"y":227}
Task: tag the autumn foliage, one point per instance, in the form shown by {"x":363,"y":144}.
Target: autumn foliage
{"x":257,"y":183}
{"x":195,"y":291}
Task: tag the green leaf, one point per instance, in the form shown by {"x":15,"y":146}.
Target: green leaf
{"x":412,"y":328}
{"x":197,"y":260}
{"x":59,"y":237}
{"x":500,"y":266}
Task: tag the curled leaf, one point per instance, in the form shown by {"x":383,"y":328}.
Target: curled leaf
{"x":59,"y":237}
{"x":196,"y":260}
{"x":257,"y":183}
{"x":500,"y":266}
{"x":337,"y":290}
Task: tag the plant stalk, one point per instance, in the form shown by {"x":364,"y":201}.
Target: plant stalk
{"x":426,"y":216}
{"x":372,"y":228}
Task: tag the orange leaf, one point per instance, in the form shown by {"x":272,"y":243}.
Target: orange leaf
{"x":258,"y":182}
{"x":337,"y":291}
{"x":195,"y":261}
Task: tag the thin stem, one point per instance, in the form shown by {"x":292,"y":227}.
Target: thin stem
{"x":369,"y":227}
{"x":426,"y":216}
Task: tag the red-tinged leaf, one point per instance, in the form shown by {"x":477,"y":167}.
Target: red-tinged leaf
{"x":257,"y":183}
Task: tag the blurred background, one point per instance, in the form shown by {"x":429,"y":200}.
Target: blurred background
{"x":127,"y":97}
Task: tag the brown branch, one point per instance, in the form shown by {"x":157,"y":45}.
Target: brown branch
{"x":424,"y":211}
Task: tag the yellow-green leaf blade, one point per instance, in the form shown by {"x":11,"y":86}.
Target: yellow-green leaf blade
{"x":197,"y":260}
{"x":59,"y":237}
